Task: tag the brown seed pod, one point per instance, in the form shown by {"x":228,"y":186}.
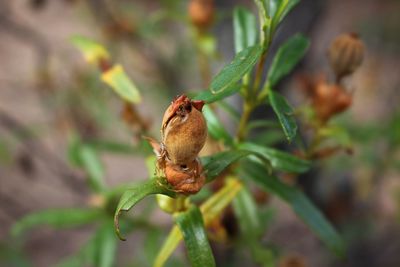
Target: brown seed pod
{"x":187,"y":178}
{"x":201,"y":13}
{"x":184,"y":130}
{"x":345,"y":54}
{"x":330,"y":100}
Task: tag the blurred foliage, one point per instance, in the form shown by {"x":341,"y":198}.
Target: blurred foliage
{"x":257,"y":159}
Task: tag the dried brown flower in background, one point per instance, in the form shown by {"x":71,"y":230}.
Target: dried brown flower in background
{"x":345,"y":54}
{"x":201,"y":13}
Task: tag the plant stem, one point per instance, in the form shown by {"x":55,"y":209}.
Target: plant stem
{"x":259,"y":71}
{"x":242,"y":131}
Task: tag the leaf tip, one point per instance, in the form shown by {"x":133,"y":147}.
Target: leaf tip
{"x":116,"y":225}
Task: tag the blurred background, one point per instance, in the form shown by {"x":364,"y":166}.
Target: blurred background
{"x":49,"y":95}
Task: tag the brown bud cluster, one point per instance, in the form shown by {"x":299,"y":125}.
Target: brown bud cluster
{"x":327,"y":99}
{"x":201,"y":13}
{"x":184,"y":132}
{"x":345,"y":54}
{"x":330,"y":99}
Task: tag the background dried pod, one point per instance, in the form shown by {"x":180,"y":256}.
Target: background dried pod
{"x":201,"y":13}
{"x":345,"y":54}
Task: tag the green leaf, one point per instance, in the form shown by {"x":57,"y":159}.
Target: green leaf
{"x":246,"y":211}
{"x":98,"y":251}
{"x":288,"y":55}
{"x":265,"y":21}
{"x":279,"y":160}
{"x":215,"y":127}
{"x":245,"y":28}
{"x":268,"y":138}
{"x":210,"y":209}
{"x":191,"y":226}
{"x":12,"y":256}
{"x":285,"y":114}
{"x":301,"y":205}
{"x":232,"y":73}
{"x":132,"y":196}
{"x":214,"y":165}
{"x":119,"y":81}
{"x":91,"y":50}
{"x":57,"y":218}
{"x":106,"y":246}
{"x":91,"y":163}
{"x":210,"y":97}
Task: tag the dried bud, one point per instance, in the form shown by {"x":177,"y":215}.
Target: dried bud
{"x":187,"y":178}
{"x":201,"y":13}
{"x":346,"y":54}
{"x":330,"y":100}
{"x":184,"y":130}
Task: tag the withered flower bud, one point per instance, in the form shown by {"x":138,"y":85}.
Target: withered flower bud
{"x":330,"y":100}
{"x":187,"y":178}
{"x":184,"y":130}
{"x":201,"y":13}
{"x":346,"y":54}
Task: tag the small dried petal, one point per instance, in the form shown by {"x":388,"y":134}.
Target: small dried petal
{"x":346,"y":54}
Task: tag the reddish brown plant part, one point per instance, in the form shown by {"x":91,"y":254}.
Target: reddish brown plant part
{"x":329,"y":100}
{"x":201,"y":13}
{"x":184,"y":130}
{"x":186,"y":179}
{"x":345,"y":54}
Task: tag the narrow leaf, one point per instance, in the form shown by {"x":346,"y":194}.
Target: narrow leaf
{"x":91,"y":50}
{"x":285,"y":114}
{"x":99,"y":250}
{"x":288,"y":55}
{"x":57,"y":218}
{"x":232,"y":73}
{"x":245,"y":28}
{"x":279,"y":160}
{"x":106,"y":246}
{"x":214,"y":165}
{"x":119,"y":81}
{"x":210,"y":97}
{"x":191,"y":226}
{"x":246,"y":211}
{"x":132,"y":196}
{"x":301,"y":205}
{"x":91,"y":163}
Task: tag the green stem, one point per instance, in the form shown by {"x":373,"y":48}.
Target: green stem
{"x":242,"y":128}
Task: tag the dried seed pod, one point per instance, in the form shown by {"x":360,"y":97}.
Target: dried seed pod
{"x":330,"y":100}
{"x":345,"y":54}
{"x":184,"y":130}
{"x":201,"y":13}
{"x":187,"y":178}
